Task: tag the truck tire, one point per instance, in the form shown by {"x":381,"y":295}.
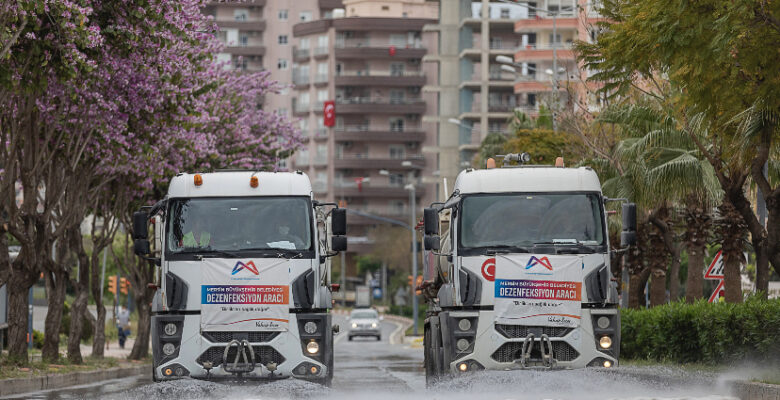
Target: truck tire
{"x":429,"y":354}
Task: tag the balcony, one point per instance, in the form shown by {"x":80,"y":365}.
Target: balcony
{"x":368,"y":133}
{"x":301,"y":108}
{"x":396,"y":213}
{"x":533,"y":24}
{"x":381,"y":78}
{"x":300,"y":79}
{"x":320,"y":134}
{"x":320,"y":52}
{"x":241,"y":4}
{"x":496,"y":48}
{"x":544,"y":52}
{"x":245,"y":50}
{"x":257,"y":25}
{"x":363,"y":161}
{"x":365,"y":48}
{"x":300,"y":54}
{"x":379,"y":105}
{"x":375,"y":24}
{"x":368,"y":189}
{"x":320,"y":79}
{"x":319,"y":186}
{"x":320,"y":160}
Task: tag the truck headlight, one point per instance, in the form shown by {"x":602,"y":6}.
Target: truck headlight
{"x":462,"y":344}
{"x":312,"y":347}
{"x":605,"y":342}
{"x":354,"y":325}
{"x":373,"y":325}
{"x":168,"y":349}
{"x":464,"y":324}
{"x":170,"y":329}
{"x":310,"y":327}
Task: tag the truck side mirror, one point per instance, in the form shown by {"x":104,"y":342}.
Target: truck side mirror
{"x":431,"y":221}
{"x":628,"y":236}
{"x":431,"y":243}
{"x":338,"y":221}
{"x":140,"y":225}
{"x":141,"y":247}
{"x":338,"y":243}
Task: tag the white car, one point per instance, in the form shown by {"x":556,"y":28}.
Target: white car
{"x":364,"y":322}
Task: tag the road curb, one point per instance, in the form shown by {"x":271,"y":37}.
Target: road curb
{"x":56,"y":381}
{"x":747,"y":390}
{"x":404,"y":323}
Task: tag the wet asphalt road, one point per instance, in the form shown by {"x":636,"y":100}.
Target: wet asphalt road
{"x":368,"y":369}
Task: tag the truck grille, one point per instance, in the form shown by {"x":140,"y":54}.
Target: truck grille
{"x":522,"y":331}
{"x":252,"y":337}
{"x":510,"y":352}
{"x":263,"y":355}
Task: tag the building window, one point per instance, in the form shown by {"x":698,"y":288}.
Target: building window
{"x":243,"y":39}
{"x":322,"y":96}
{"x":396,"y":69}
{"x":281,"y":64}
{"x":504,"y":13}
{"x":322,"y":41}
{"x":241,"y":14}
{"x":305,"y":16}
{"x":282,"y":111}
{"x":385,"y":8}
{"x":398,"y":40}
{"x":282,"y":39}
{"x":303,"y":44}
{"x":397,"y":180}
{"x":397,"y":152}
{"x":396,"y":124}
{"x":283,"y":15}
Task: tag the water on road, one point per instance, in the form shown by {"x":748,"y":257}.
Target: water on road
{"x":378,"y":370}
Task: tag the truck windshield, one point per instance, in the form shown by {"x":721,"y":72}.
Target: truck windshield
{"x":524,"y":220}
{"x":235,"y":224}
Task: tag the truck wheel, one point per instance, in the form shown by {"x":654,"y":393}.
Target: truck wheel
{"x":379,"y":338}
{"x":429,"y":354}
{"x":349,"y":338}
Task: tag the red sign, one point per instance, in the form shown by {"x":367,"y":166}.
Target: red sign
{"x":489,"y":269}
{"x":391,"y":51}
{"x":717,"y":292}
{"x":329,"y":113}
{"x":715,"y":270}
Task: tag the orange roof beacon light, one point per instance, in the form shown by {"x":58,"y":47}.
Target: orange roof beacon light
{"x":253,"y":182}
{"x":491,"y":163}
{"x":559,"y":162}
{"x":198,"y":180}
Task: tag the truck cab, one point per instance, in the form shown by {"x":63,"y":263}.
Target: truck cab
{"x":243,"y":289}
{"x":521,"y":275}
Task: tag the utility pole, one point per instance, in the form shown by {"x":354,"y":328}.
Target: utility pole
{"x":412,"y":224}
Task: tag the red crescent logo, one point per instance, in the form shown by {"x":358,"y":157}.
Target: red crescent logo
{"x":329,"y":110}
{"x":489,"y":269}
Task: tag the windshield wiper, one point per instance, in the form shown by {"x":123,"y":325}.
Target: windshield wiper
{"x":503,"y":248}
{"x":279,"y":252}
{"x":571,"y":246}
{"x":208,"y":251}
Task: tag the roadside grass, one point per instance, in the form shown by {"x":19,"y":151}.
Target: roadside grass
{"x":10,"y":368}
{"x":691,"y":367}
{"x":769,"y":374}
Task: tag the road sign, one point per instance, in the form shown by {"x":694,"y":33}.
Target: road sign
{"x":377,"y":293}
{"x":715,"y":270}
{"x":716,"y":293}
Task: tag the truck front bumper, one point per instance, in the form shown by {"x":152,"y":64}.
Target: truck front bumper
{"x":250,"y":355}
{"x":500,"y":347}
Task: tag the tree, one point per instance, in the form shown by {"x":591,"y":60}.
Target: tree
{"x":723,"y":55}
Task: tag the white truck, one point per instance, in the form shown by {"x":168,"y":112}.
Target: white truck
{"x":243,"y":277}
{"x":522,"y":275}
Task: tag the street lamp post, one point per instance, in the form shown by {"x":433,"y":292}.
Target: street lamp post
{"x":412,"y":224}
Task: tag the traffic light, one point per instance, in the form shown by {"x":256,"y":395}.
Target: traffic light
{"x":411,"y":281}
{"x":112,"y":284}
{"x":123,"y":285}
{"x":419,"y":282}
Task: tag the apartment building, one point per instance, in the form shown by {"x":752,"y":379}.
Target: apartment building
{"x":258,"y":35}
{"x":370,"y":63}
{"x":476,"y":96}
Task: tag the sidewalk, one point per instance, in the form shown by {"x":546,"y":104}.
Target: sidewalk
{"x":113,"y":349}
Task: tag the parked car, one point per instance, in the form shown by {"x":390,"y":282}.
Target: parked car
{"x":364,"y":322}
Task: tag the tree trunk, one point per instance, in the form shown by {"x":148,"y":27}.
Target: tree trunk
{"x":732,"y":232}
{"x":55,"y":297}
{"x":773,"y":231}
{"x":636,"y":288}
{"x":99,"y":341}
{"x":77,"y":310}
{"x":695,"y":283}
{"x":18,"y":295}
{"x":141,"y":345}
{"x":79,"y":307}
{"x":674,"y":274}
{"x":660,"y":236}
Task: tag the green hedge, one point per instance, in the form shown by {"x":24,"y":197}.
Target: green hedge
{"x":703,"y":332}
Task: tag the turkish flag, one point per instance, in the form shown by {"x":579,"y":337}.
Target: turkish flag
{"x":329,"y":113}
{"x":391,"y":51}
